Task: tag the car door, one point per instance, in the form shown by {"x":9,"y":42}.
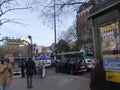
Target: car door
{"x":73,"y":66}
{"x":82,"y":64}
{"x":70,"y":64}
{"x":67,"y":64}
{"x":63,"y":65}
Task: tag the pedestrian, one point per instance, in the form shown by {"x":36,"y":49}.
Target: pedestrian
{"x":30,"y":68}
{"x":97,"y":80}
{"x":23,"y":64}
{"x":6,"y":74}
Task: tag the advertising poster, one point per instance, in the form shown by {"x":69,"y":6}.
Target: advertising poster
{"x":110,"y":36}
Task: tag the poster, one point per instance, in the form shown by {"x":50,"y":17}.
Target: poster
{"x":110,"y":37}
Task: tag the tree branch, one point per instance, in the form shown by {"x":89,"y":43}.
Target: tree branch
{"x":5,"y":1}
{"x":12,"y":10}
{"x":3,"y":21}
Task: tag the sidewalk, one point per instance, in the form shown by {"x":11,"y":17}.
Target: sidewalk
{"x":21,"y":83}
{"x":52,"y":81}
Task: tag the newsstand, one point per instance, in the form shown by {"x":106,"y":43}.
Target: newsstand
{"x":105,"y":25}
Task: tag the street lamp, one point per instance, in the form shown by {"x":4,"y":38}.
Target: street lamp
{"x":30,"y":44}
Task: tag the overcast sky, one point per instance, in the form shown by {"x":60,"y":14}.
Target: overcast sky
{"x":41,"y":33}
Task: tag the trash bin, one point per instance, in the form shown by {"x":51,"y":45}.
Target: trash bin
{"x":40,"y":71}
{"x":43,"y":71}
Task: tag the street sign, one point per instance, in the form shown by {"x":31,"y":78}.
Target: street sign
{"x":14,"y":42}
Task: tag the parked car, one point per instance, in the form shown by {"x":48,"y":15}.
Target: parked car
{"x":89,"y":64}
{"x":88,"y":57}
{"x":71,"y":65}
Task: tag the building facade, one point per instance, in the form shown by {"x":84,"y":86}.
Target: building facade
{"x":84,"y":33}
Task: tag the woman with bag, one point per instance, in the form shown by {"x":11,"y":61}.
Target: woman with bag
{"x":6,"y":74}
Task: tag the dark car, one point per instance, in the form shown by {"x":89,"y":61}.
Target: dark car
{"x":71,"y":65}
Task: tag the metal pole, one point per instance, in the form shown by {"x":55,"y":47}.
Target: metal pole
{"x":55,"y":26}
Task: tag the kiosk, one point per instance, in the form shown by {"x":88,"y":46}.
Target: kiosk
{"x":105,"y":25}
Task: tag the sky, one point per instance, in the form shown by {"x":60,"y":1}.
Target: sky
{"x":41,"y":33}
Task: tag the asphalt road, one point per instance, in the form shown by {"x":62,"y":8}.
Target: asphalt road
{"x":54,"y":81}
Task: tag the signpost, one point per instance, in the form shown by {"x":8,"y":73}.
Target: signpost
{"x":14,"y":42}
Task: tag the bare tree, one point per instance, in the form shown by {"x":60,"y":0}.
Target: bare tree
{"x":7,"y":6}
{"x":63,"y":8}
{"x":69,"y":35}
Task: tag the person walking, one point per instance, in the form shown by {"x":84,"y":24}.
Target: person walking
{"x":97,"y":80}
{"x":6,"y":74}
{"x":23,"y":63}
{"x":30,"y":68}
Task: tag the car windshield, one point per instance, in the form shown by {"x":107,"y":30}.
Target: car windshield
{"x":64,"y":60}
{"x":88,"y":56}
{"x":73,"y":60}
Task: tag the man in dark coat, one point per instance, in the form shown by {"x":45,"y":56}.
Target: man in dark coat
{"x":23,"y":64}
{"x":30,"y":68}
{"x":98,"y":81}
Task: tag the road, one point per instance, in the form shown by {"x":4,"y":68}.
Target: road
{"x":54,"y":81}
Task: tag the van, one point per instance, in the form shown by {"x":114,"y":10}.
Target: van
{"x":71,"y":65}
{"x":88,"y":57}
